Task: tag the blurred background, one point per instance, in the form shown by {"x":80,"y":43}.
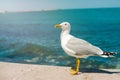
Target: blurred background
{"x":27,"y":33}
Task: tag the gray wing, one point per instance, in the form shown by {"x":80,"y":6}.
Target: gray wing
{"x":82,"y":47}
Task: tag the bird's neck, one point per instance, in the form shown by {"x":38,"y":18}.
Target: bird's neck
{"x":64,"y":33}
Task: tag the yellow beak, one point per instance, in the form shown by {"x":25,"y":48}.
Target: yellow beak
{"x":57,"y":26}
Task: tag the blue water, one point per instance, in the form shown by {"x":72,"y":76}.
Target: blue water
{"x":30,"y":37}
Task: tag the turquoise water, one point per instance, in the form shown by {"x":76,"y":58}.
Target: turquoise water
{"x":30,"y":37}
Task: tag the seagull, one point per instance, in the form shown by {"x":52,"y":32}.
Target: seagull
{"x":77,"y":47}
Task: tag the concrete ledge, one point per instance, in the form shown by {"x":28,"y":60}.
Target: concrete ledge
{"x":16,"y":71}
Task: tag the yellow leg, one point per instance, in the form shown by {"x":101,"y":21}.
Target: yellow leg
{"x":75,"y":71}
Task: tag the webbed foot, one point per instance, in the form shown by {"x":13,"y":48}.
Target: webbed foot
{"x":73,"y":72}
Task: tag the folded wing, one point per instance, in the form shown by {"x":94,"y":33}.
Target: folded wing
{"x":82,"y":47}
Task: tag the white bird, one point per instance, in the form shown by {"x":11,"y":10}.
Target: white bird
{"x":78,"y":48}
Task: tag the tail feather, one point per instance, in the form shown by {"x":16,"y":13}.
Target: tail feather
{"x":109,"y":54}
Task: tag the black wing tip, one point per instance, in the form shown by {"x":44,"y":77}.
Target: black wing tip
{"x":109,"y":53}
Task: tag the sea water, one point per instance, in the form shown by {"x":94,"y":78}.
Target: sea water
{"x":30,"y":37}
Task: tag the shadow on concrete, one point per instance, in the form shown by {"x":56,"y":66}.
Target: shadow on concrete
{"x":92,"y":70}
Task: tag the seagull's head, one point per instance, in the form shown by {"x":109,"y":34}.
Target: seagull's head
{"x":63,"y":26}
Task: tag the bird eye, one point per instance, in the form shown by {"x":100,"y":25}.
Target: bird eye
{"x":65,"y":24}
